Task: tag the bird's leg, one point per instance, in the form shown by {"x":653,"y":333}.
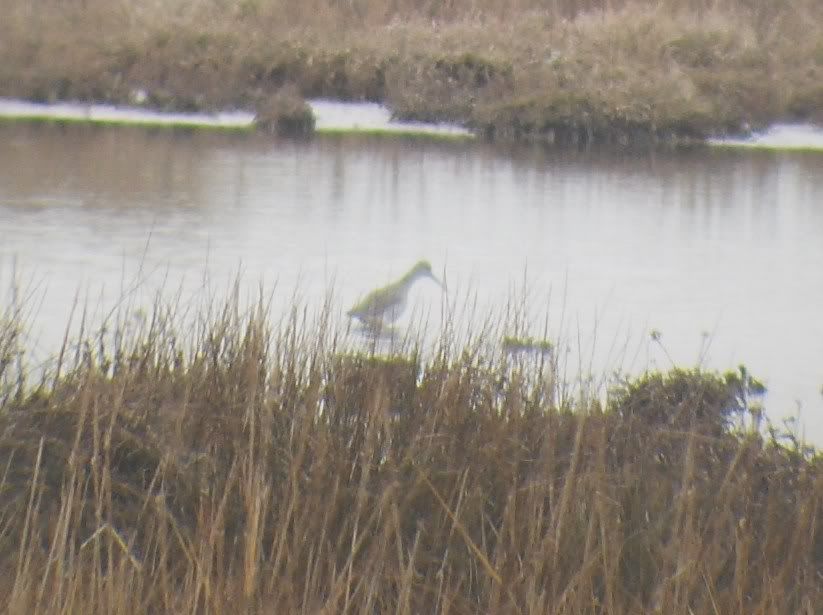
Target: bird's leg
{"x":373,"y":324}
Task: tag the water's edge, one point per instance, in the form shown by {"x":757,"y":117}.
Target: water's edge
{"x":336,"y":117}
{"x":330,"y":117}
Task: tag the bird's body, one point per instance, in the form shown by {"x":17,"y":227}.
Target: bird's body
{"x":385,"y":305}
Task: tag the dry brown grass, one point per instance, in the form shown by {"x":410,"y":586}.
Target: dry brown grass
{"x":568,"y":70}
{"x":242,"y":469}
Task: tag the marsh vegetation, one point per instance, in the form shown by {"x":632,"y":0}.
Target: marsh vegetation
{"x":564,"y":71}
{"x":216,"y":462}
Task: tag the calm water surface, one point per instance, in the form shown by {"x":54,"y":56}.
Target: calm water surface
{"x":719,"y":251}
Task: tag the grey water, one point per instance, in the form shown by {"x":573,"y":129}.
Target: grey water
{"x":716,"y":251}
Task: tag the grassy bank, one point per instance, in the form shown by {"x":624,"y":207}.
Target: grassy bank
{"x":562,"y":71}
{"x":223,"y":466}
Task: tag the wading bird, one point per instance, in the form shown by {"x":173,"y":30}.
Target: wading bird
{"x":385,"y":305}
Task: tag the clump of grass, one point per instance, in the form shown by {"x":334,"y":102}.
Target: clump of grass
{"x":513,"y":345}
{"x":622,"y":71}
{"x":229,"y":465}
{"x":285,"y":113}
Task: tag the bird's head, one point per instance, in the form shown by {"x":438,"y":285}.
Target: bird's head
{"x":423,"y":269}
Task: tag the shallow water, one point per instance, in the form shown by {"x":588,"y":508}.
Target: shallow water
{"x":716,"y":249}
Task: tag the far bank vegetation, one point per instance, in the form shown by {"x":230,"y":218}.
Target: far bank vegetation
{"x":563,"y":70}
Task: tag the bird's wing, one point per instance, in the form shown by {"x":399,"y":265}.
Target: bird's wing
{"x":376,"y":302}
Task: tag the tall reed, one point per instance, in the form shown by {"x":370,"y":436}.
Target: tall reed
{"x":223,"y":464}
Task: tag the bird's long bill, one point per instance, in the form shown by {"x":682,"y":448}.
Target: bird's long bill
{"x":437,"y":280}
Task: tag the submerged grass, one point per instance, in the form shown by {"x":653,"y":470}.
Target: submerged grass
{"x":229,"y":466}
{"x":622,"y":71}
